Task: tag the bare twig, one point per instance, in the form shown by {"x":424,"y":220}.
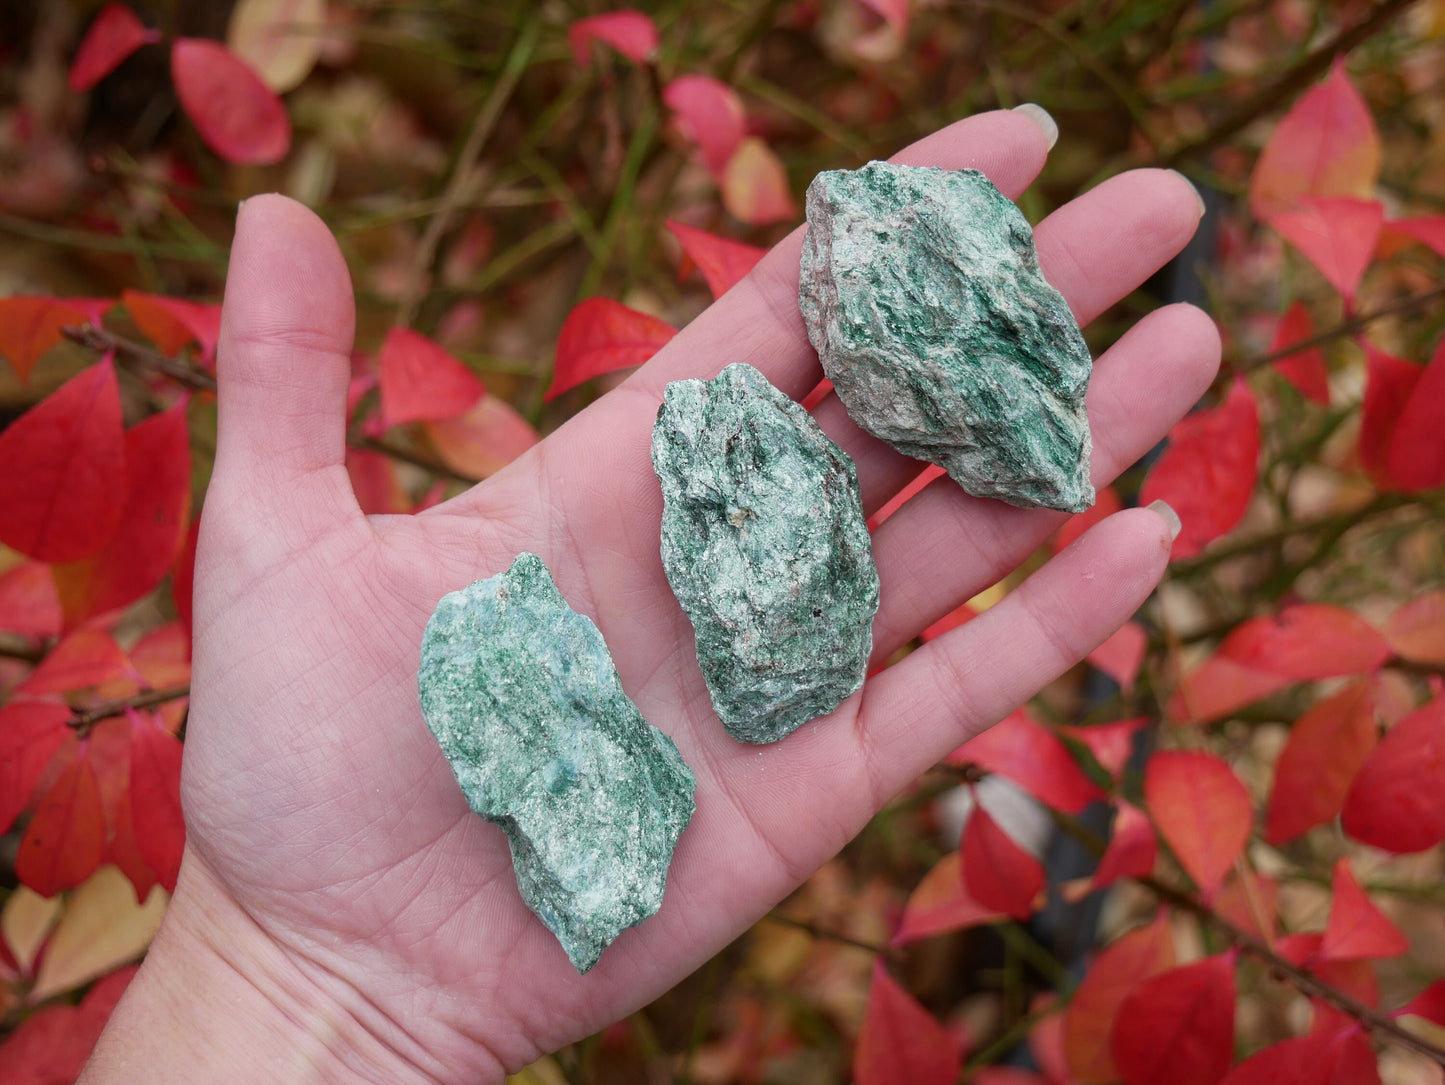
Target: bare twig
{"x":84,"y":721}
{"x":825,"y":932}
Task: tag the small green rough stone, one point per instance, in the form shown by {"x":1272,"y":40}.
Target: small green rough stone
{"x":523,"y":697}
{"x":765,"y":545}
{"x":922,"y":294}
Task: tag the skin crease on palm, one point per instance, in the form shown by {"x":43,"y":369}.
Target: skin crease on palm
{"x":341,"y":914}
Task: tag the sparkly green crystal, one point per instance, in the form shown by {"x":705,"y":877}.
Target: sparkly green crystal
{"x":523,"y":698}
{"x":922,"y":293}
{"x":765,"y":545}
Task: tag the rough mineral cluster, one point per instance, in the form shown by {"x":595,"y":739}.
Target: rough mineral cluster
{"x":523,"y":698}
{"x":766,"y":548}
{"x":922,"y":293}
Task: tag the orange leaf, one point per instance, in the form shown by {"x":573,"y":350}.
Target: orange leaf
{"x":1202,"y":811}
{"x":1324,"y":753}
{"x":62,"y":470}
{"x":65,"y":839}
{"x":1032,"y":757}
{"x":996,"y":871}
{"x":1122,"y":654}
{"x":723,"y":262}
{"x":1326,"y":145}
{"x":1106,"y":503}
{"x":755,"y":185}
{"x":115,"y":34}
{"x":85,"y":658}
{"x":940,"y":903}
{"x":1397,"y":802}
{"x":173,"y":324}
{"x":30,"y":733}
{"x":1132,"y":847}
{"x":1143,"y":952}
{"x":1217,"y":687}
{"x":1417,"y":629}
{"x":29,"y":605}
{"x":1177,"y":1028}
{"x":1305,"y":369}
{"x":158,"y":498}
{"x":1207,"y":473}
{"x":155,"y":797}
{"x":1357,"y":930}
{"x":900,"y":1041}
{"x":29,"y":326}
{"x":1417,"y":451}
{"x":1112,"y":744}
{"x":602,"y":336}
{"x":237,"y":115}
{"x":1250,"y":902}
{"x":420,"y":381}
{"x":1428,"y":230}
{"x":1336,"y":234}
{"x":1306,"y":642}
{"x":631,"y":33}
{"x":482,"y":441}
{"x":710,"y":114}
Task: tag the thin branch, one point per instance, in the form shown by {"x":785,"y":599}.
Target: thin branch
{"x":825,"y":932}
{"x":84,"y":721}
{"x":26,"y":653}
{"x":405,"y":455}
{"x":128,"y":351}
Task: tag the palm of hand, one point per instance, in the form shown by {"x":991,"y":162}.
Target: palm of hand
{"x":316,"y":798}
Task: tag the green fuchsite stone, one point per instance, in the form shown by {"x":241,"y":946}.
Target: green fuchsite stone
{"x":523,"y":698}
{"x":922,"y":293}
{"x":766,"y":548}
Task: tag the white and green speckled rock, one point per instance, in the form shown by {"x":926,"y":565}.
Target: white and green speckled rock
{"x":523,"y":697}
{"x":765,"y":545}
{"x":922,"y":293}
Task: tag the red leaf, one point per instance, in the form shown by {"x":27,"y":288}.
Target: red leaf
{"x":941,"y":903}
{"x":900,"y":1041}
{"x":1122,"y":654}
{"x":1106,"y":503}
{"x":1417,"y":452}
{"x":1397,"y":802}
{"x":183,"y":575}
{"x":236,"y":113}
{"x":374,"y":481}
{"x":107,"y":751}
{"x":51,"y":1046}
{"x":602,"y":336}
{"x":723,"y":262}
{"x":1326,"y":145}
{"x":631,"y":33}
{"x":421,"y":381}
{"x":1306,"y":642}
{"x":998,"y":873}
{"x":173,"y":324}
{"x":1202,"y":811}
{"x":902,"y":497}
{"x":1388,"y":386}
{"x":158,"y":498}
{"x":1217,"y":687}
{"x":1336,"y":234}
{"x":1132,"y":847}
{"x":1428,"y":230}
{"x":1305,"y":369}
{"x":1357,"y":930}
{"x":1324,"y":1058}
{"x":29,"y":326}
{"x":1355,"y":978}
{"x":709,"y":113}
{"x":950,"y":621}
{"x":155,"y":797}
{"x":65,"y":840}
{"x":485,"y":439}
{"x":1088,"y":1022}
{"x":1177,"y":1028}
{"x":1032,"y":757}
{"x":62,"y":470}
{"x":1112,"y":744}
{"x":1324,"y":752}
{"x":1207,"y":473}
{"x":1429,"y":1004}
{"x":115,"y":34}
{"x":1417,"y":629}
{"x":87,"y":657}
{"x":30,"y":733}
{"x":819,"y":393}
{"x":1251,"y":903}
{"x":29,"y":605}
{"x":755,"y":185}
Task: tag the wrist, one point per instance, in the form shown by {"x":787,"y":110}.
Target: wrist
{"x":218,"y":999}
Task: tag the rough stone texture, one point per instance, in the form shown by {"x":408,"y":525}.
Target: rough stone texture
{"x":767,"y":550}
{"x":522,"y":696}
{"x":922,"y":294}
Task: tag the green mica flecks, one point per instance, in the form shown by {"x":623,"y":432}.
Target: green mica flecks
{"x":922,"y":293}
{"x":523,"y":697}
{"x":765,"y":545}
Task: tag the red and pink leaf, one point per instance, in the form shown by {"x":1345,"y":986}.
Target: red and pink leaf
{"x":902,"y":497}
{"x":631,"y":33}
{"x":65,"y":839}
{"x":1357,"y":930}
{"x":1428,"y":230}
{"x":1389,"y":383}
{"x":1416,"y":630}
{"x":115,"y":34}
{"x":1323,"y":1058}
{"x":30,"y":733}
{"x":1202,"y":810}
{"x":1112,"y":744}
{"x":155,"y":797}
{"x":1121,"y":656}
{"x":722,"y":261}
{"x":1304,"y":368}
{"x":236,"y":113}
{"x":1336,"y":234}
{"x":1106,"y":503}
{"x":1132,"y":847}
{"x":901,"y":1041}
{"x":1429,"y":1004}
{"x":1218,"y":686}
{"x":1250,"y":902}
{"x":755,"y":185}
{"x":87,"y":657}
{"x":1417,"y":452}
{"x":1306,"y":642}
{"x":1033,"y":757}
{"x":1177,"y":1028}
{"x":1207,"y":473}
{"x":62,"y":470}
{"x":1397,"y":802}
{"x":602,"y":336}
{"x":420,"y":381}
{"x":482,"y":441}
{"x":941,"y":903}
{"x":710,"y":114}
{"x":1117,"y":970}
{"x":997,"y":872}
{"x":29,"y":604}
{"x":29,"y":326}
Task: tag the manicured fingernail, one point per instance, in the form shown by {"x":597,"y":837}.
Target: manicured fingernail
{"x":1169,"y":516}
{"x":1040,"y":116}
{"x":1198,"y":197}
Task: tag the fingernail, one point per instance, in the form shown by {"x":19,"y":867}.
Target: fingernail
{"x":1168,"y":515}
{"x":1040,"y":116}
{"x":1198,"y":198}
